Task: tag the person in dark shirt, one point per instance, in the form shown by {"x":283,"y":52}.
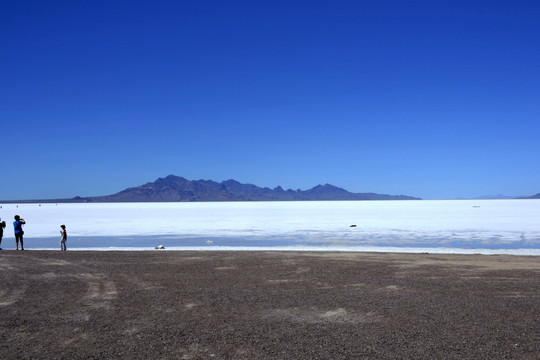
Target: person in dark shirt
{"x":2,"y":227}
{"x":17,"y":227}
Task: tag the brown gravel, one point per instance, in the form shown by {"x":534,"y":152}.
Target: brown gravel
{"x":267,"y":305}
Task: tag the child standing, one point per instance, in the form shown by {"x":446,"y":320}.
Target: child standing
{"x":63,"y":238}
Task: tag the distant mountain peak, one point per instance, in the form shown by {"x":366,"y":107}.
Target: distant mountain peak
{"x":537,"y":196}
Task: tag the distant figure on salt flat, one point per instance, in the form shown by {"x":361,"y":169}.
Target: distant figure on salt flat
{"x":63,"y":238}
{"x":17,"y":228}
{"x":2,"y":227}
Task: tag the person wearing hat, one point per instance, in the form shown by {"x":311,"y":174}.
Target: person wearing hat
{"x":63,"y":238}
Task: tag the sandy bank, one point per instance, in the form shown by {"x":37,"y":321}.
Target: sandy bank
{"x":267,"y":305}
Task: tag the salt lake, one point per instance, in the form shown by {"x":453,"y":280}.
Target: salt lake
{"x":436,"y":226}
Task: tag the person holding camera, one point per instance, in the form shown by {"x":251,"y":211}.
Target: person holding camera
{"x":17,"y":227}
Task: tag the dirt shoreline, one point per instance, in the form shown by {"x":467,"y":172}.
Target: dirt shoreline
{"x":267,"y":305}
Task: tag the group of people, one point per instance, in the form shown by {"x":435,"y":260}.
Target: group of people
{"x":18,"y":230}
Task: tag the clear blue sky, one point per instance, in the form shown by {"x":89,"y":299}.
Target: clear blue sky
{"x":436,"y":99}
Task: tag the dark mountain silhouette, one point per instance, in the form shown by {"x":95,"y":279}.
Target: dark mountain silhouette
{"x":175,"y":188}
{"x":537,"y":196}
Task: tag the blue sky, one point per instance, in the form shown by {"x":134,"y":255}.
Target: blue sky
{"x":436,"y":99}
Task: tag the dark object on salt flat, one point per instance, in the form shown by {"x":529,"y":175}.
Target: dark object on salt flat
{"x":352,"y":226}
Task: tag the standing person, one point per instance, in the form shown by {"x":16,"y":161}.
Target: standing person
{"x":63,"y":238}
{"x":17,"y":227}
{"x":2,"y":227}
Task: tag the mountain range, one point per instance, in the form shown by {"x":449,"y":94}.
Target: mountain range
{"x":178,"y":189}
{"x":175,"y":188}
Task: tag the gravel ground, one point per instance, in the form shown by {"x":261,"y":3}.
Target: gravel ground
{"x":267,"y":305}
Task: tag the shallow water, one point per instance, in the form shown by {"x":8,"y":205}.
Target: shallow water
{"x":460,"y":226}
